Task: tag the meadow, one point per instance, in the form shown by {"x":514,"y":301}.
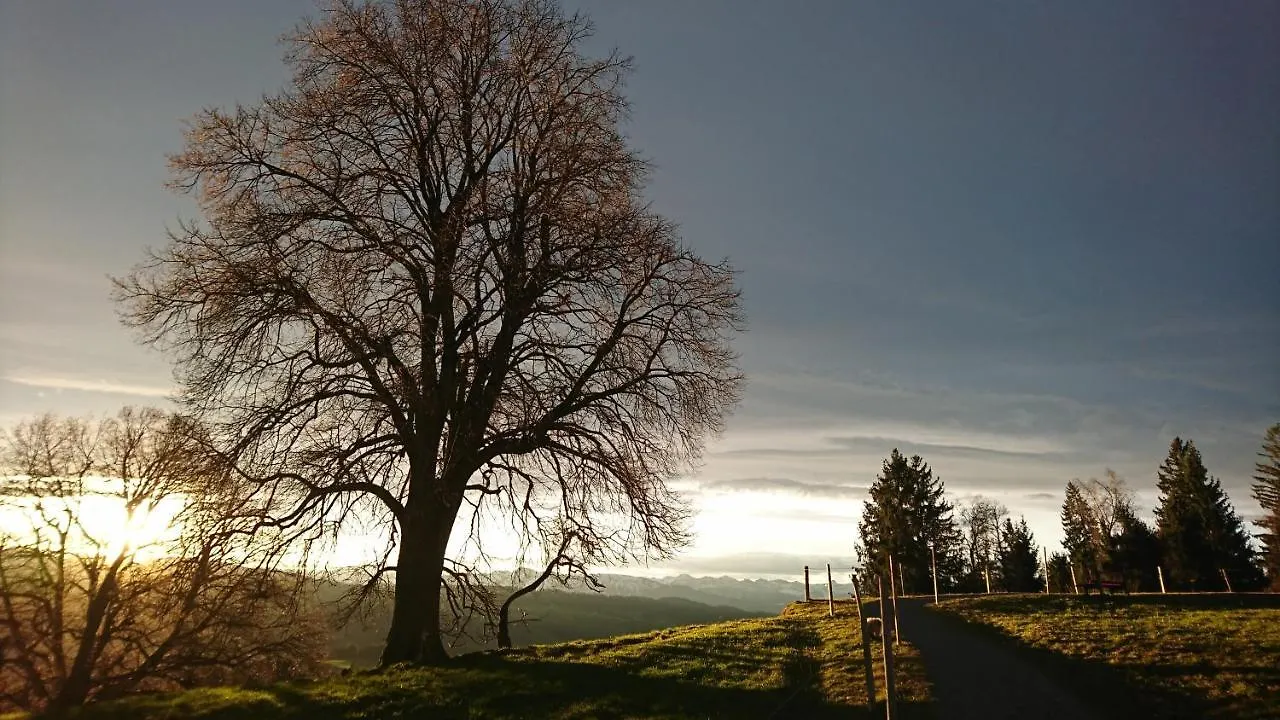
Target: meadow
{"x":798,"y":663}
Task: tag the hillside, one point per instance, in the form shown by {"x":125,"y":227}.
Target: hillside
{"x":548,"y":616}
{"x":797,"y":664}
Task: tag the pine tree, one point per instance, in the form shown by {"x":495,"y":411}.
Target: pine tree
{"x":1078,"y":529}
{"x":1266,"y":490}
{"x":1019,"y":564}
{"x":1200,"y":532}
{"x":906,"y":515}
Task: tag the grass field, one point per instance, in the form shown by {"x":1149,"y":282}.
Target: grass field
{"x":798,"y":664}
{"x":1210,"y":656}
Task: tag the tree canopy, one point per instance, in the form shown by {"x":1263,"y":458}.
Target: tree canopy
{"x":425,"y":282}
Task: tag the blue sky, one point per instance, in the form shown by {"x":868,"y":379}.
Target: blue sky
{"x":1029,"y":241}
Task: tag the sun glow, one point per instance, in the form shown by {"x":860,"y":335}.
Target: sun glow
{"x":144,"y":533}
{"x":94,"y":524}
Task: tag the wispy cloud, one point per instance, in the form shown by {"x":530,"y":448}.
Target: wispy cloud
{"x":88,"y":385}
{"x":784,"y":485}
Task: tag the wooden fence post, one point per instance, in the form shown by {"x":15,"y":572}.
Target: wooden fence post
{"x":1074,"y":587}
{"x":866,"y":647}
{"x":831,"y":594}
{"x":893,"y":600}
{"x":886,"y":647}
{"x":806,"y":583}
{"x":902,"y":581}
{"x":1160,"y":574}
{"x":933,"y":561}
{"x":986,"y":575}
{"x":1046,"y":570}
{"x":1226,"y":579}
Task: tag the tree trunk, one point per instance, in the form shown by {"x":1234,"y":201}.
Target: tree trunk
{"x":75,"y":690}
{"x":504,"y":628}
{"x":415,"y":618}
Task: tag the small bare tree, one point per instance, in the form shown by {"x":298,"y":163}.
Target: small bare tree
{"x":124,"y":568}
{"x":426,"y":281}
{"x":980,"y":525}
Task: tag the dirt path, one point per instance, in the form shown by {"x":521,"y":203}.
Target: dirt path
{"x":974,"y":676}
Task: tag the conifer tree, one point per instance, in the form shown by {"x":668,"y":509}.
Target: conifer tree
{"x":906,"y":515}
{"x":1199,"y":531}
{"x":1019,"y":561}
{"x":1266,"y":490}
{"x":1059,"y":574}
{"x":1078,"y":531}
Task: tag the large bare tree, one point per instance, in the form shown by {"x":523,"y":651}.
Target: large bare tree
{"x":426,"y":283}
{"x":124,"y":567}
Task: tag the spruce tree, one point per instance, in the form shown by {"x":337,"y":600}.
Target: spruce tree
{"x":906,"y":515}
{"x":1266,"y":490}
{"x":1079,"y":533}
{"x":1199,"y":531}
{"x":1019,"y":563}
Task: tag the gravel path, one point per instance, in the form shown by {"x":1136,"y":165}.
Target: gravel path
{"x":976,"y":677}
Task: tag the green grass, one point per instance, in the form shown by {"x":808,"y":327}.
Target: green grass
{"x":1211,"y":656}
{"x":798,"y":664}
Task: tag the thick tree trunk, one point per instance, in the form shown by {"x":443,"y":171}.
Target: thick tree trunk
{"x":415,"y":617}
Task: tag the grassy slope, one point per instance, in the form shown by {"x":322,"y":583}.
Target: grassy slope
{"x":798,"y":663}
{"x":1158,"y":655}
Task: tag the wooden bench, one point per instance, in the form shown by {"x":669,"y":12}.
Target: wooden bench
{"x":1108,"y":582}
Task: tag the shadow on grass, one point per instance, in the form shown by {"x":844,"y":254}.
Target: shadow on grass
{"x":1125,"y":689}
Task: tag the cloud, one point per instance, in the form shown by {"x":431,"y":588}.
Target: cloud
{"x":785,"y":485}
{"x":756,"y":564}
{"x":965,"y":444}
{"x":84,"y":385}
{"x":1040,"y":496}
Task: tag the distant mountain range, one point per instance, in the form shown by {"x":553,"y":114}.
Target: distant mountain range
{"x":767,"y":596}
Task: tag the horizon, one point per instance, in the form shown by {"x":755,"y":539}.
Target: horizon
{"x":1028,"y":243}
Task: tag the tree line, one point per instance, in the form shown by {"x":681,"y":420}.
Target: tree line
{"x":1197,"y":543}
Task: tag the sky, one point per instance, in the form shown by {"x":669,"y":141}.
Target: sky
{"x":1029,"y":241}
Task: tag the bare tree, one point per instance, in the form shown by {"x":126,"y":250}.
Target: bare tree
{"x":980,"y":525}
{"x":1108,"y":500}
{"x":120,"y":571}
{"x":426,"y":283}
